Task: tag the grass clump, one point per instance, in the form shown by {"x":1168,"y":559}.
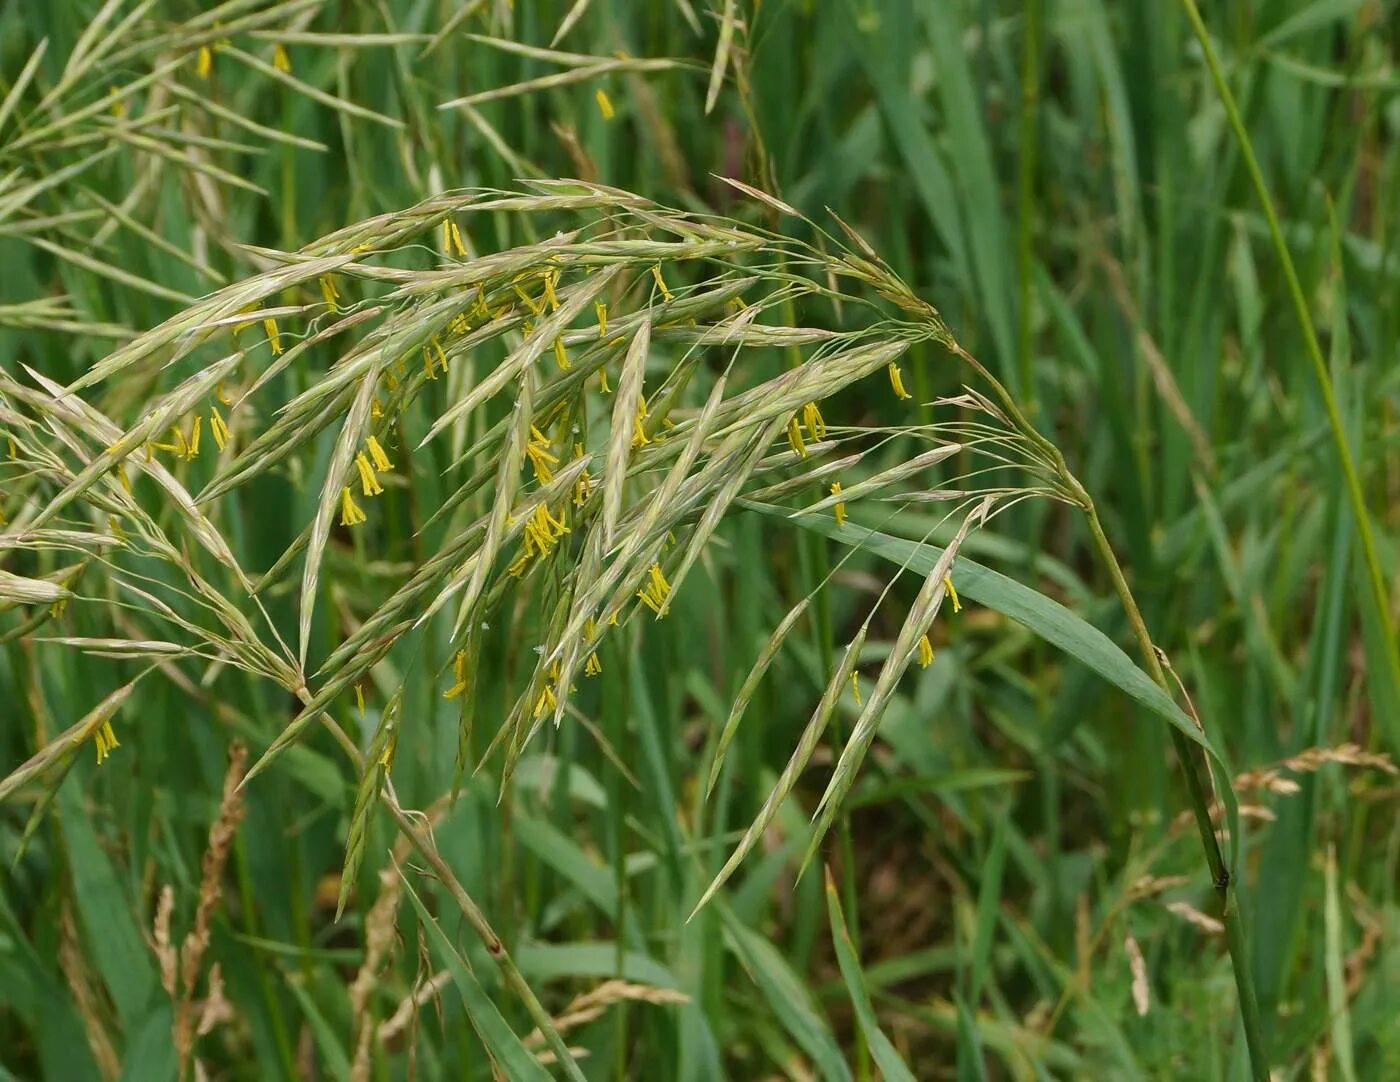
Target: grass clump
{"x":487,"y":500}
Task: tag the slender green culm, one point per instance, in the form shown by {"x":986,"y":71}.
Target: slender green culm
{"x":1356,"y":499}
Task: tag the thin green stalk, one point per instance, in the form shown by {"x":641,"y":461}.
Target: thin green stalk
{"x":1355,"y":496}
{"x":495,"y":947}
{"x":617,"y":713}
{"x":1025,"y":189}
{"x":1198,"y":787}
{"x":1034,"y":516}
{"x":1192,"y":759}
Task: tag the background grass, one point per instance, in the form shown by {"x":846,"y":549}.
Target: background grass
{"x":1060,"y":179}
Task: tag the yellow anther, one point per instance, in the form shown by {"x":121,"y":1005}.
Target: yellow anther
{"x":535,"y":306}
{"x":517,"y":566}
{"x":386,"y":759}
{"x":434,"y":354}
{"x":192,"y":448}
{"x":602,"y":310}
{"x":452,"y":238}
{"x":603,"y":381}
{"x":549,"y":278}
{"x":557,"y":527}
{"x":952,"y":592}
{"x":459,"y":674}
{"x":639,"y":432}
{"x":203,"y":65}
{"x":541,"y":532}
{"x":360,"y":699}
{"x":897,"y":382}
{"x":925,"y":652}
{"x":546,"y":701}
{"x":368,"y":481}
{"x":274,"y":337}
{"x":377,"y":455}
{"x":280,"y":60}
{"x":329,"y":293}
{"x":794,"y":435}
{"x":657,"y":590}
{"x":661,"y":282}
{"x":812,"y":418}
{"x":583,"y":488}
{"x":605,"y":106}
{"x":222,"y":395}
{"x":560,"y":357}
{"x":542,"y":459}
{"x":106,"y":740}
{"x":350,"y":513}
{"x":217,"y":428}
{"x":840,"y":509}
{"x":592,"y":667}
{"x":239,"y":328}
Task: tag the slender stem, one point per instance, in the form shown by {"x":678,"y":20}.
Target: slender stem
{"x":1025,"y":192}
{"x":347,"y":745}
{"x":1192,"y":763}
{"x":1194,"y":766}
{"x":1355,"y":496}
{"x":427,"y":849}
{"x":1191,"y":757}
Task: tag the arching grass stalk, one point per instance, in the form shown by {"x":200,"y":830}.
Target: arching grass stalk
{"x":1192,"y":760}
{"x":1355,"y":498}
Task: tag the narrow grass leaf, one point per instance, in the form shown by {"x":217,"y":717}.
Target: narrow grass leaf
{"x":726,"y":42}
{"x":788,"y":997}
{"x":891,"y":1064}
{"x":503,"y":1045}
{"x":801,"y":755}
{"x":747,"y":689}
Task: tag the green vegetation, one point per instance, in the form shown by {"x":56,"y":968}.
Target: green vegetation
{"x":688,"y":541}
